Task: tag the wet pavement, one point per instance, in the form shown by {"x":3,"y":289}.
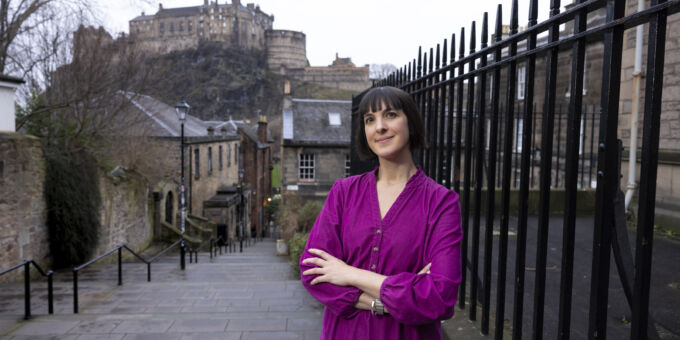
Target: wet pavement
{"x":249,"y":295}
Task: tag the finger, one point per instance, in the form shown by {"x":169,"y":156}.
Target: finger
{"x":322,"y":254}
{"x":426,"y":269}
{"x":313,"y":271}
{"x":314,"y":260}
{"x":319,"y":279}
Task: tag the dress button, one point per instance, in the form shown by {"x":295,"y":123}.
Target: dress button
{"x":379,"y":231}
{"x":375,"y":248}
{"x":372,"y":266}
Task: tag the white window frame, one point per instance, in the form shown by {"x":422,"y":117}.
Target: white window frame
{"x":521,"y":81}
{"x":306,"y":165}
{"x":347,"y":165}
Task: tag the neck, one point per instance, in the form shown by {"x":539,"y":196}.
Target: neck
{"x":396,"y":170}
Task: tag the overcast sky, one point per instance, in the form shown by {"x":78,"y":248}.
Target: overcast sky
{"x":368,"y":31}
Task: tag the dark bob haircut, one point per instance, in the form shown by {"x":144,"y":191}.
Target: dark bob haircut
{"x":395,"y":99}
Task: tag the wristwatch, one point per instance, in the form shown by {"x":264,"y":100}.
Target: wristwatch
{"x":377,"y":307}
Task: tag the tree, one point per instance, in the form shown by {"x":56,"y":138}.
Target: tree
{"x":380,"y":71}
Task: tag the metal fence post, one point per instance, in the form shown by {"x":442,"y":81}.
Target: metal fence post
{"x":120,"y":266}
{"x":27,"y":289}
{"x":75,"y":291}
{"x":50,"y":293}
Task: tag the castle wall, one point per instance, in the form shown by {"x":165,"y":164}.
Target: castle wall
{"x":286,"y":49}
{"x":346,"y":78}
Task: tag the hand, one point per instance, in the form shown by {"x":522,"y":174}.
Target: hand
{"x":329,"y":268}
{"x":426,"y":269}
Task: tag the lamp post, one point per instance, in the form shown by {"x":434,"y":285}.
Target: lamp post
{"x":182,"y":108}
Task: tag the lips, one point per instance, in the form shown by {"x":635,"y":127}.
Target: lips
{"x":384,"y":140}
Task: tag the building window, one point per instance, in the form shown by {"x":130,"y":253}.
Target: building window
{"x":228,"y":155}
{"x":347,"y":163}
{"x":210,"y":160}
{"x":190,"y":26}
{"x":197,"y":163}
{"x":306,"y":167}
{"x":172,"y":28}
{"x":181,"y":26}
{"x":220,"y":158}
{"x":236,"y":155}
{"x":521,"y":81}
{"x":334,"y":119}
{"x":161,"y":28}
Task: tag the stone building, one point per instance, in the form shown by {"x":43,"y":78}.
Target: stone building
{"x":181,"y":28}
{"x":7,"y":115}
{"x":256,"y":169}
{"x":315,"y":145}
{"x":214,"y":191}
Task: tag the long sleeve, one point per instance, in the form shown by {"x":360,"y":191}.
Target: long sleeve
{"x":326,"y":235}
{"x":416,"y":299}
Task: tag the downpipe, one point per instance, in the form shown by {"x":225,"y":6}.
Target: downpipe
{"x":637,"y":78}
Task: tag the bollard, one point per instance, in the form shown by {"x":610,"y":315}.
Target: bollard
{"x":148,"y":272}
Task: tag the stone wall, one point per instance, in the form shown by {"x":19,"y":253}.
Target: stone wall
{"x":203,"y":184}
{"x":286,"y":49}
{"x":23,"y":233}
{"x":125,"y":214}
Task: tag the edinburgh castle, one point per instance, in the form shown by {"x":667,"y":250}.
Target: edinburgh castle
{"x":172,"y":29}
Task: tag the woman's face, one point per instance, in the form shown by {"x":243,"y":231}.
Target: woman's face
{"x":387,"y":132}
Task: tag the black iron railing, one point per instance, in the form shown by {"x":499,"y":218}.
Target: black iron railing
{"x":26,"y":264}
{"x":459,"y":111}
{"x":119,"y":251}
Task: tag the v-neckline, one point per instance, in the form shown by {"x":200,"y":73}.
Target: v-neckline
{"x":397,"y":202}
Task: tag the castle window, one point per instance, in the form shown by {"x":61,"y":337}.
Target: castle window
{"x":172,"y":28}
{"x":306,"y":167}
{"x":190,"y":26}
{"x":181,"y":26}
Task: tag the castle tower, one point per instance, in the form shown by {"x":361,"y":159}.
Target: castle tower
{"x":286,"y":50}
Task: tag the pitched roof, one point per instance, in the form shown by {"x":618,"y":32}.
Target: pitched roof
{"x":308,"y":122}
{"x":160,"y":119}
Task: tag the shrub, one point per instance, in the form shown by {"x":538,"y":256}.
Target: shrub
{"x":73,"y":201}
{"x":308,"y":214}
{"x":296,"y":246}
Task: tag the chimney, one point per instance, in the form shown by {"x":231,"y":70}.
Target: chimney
{"x":205,"y":2}
{"x":236,"y":3}
{"x":262,"y":129}
{"x":160,"y":6}
{"x":142,"y":13}
{"x":211,"y":131}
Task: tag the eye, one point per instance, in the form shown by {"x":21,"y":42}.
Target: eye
{"x":391,"y":114}
{"x":368,"y":120}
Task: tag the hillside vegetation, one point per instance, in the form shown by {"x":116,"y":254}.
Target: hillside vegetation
{"x":219,"y":81}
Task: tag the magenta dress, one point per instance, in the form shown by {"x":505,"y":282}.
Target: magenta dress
{"x":422,"y":226}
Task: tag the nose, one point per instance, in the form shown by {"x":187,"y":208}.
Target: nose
{"x":380,"y":125}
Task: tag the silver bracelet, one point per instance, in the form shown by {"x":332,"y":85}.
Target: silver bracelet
{"x":377,"y":307}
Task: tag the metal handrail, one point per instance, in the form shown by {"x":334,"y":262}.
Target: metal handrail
{"x":119,"y":249}
{"x":27,"y":285}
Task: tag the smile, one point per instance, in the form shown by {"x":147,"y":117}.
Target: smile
{"x":383,"y":140}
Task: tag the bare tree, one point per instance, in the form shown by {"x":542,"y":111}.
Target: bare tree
{"x":380,"y":71}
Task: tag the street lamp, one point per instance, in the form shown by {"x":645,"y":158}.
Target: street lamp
{"x":182,"y":108}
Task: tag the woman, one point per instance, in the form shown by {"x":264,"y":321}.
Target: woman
{"x":384,"y":253}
